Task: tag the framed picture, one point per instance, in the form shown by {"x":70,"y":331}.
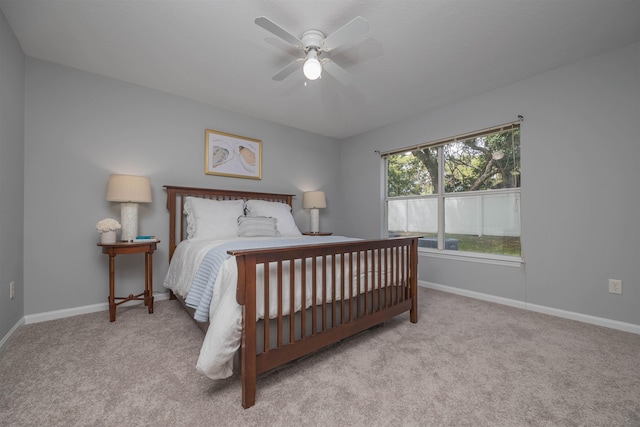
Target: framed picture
{"x":232,"y":155}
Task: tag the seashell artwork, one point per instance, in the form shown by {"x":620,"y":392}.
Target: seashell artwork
{"x":247,"y":158}
{"x":219,"y":155}
{"x":232,"y":155}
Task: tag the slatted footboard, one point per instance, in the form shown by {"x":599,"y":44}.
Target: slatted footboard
{"x":353,"y":286}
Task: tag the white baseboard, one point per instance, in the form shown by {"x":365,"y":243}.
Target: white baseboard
{"x":8,"y":335}
{"x":585,"y":318}
{"x":68,"y":312}
{"x":608,"y":323}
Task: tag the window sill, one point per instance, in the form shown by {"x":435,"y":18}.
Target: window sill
{"x":504,"y":260}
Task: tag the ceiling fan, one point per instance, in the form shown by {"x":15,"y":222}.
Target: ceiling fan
{"x":316,"y":47}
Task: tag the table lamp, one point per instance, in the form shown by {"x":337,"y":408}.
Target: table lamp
{"x":314,"y":200}
{"x":129,"y":190}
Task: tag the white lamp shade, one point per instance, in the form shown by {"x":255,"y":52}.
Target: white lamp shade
{"x":129,"y":188}
{"x":314,"y":200}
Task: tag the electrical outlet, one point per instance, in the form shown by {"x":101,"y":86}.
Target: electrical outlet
{"x":12,"y":290}
{"x":615,"y":286}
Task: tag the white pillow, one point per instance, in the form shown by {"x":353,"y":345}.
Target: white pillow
{"x":255,"y":226}
{"x":281,"y":211}
{"x":212,"y":219}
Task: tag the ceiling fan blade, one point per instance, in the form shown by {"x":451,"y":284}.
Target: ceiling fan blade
{"x":349,"y":31}
{"x":280,"y":75}
{"x":337,"y":72}
{"x":277,"y":30}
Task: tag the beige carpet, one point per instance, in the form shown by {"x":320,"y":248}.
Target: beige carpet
{"x":466,"y":363}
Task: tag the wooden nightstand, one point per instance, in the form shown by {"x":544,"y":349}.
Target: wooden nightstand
{"x":113,"y":249}
{"x":316,"y":233}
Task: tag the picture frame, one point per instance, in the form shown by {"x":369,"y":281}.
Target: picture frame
{"x":226,"y":154}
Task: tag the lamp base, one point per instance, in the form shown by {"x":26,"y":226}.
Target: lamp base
{"x":129,"y":219}
{"x":315,"y":220}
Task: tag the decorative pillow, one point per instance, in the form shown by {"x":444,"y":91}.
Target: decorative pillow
{"x":281,"y":211}
{"x":212,"y":219}
{"x":255,"y":226}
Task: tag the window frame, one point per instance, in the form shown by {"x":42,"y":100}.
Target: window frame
{"x":440,"y":195}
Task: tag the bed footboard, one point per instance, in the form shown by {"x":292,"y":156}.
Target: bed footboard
{"x":351,"y":287}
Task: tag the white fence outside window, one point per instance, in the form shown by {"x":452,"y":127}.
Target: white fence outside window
{"x":482,"y":214}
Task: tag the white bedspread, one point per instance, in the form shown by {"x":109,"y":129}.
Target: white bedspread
{"x":184,"y":264}
{"x":225,"y":315}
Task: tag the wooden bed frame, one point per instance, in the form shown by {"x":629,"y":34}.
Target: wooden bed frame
{"x":380,"y":296}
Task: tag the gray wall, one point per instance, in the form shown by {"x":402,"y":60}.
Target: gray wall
{"x":80,"y":127}
{"x":11,"y":176}
{"x":580,"y":199}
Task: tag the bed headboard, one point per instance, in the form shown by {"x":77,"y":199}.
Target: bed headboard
{"x":175,"y":204}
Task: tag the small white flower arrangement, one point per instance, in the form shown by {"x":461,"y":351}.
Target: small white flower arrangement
{"x":108,"y":224}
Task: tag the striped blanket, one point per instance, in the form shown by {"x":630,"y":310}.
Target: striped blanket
{"x":201,"y":290}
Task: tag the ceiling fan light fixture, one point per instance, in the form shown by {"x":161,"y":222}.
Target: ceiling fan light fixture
{"x":312,"y":67}
{"x":314,"y":43}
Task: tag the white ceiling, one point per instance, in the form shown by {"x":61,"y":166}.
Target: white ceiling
{"x":418,"y":55}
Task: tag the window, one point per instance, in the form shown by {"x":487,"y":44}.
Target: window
{"x":459,"y":194}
